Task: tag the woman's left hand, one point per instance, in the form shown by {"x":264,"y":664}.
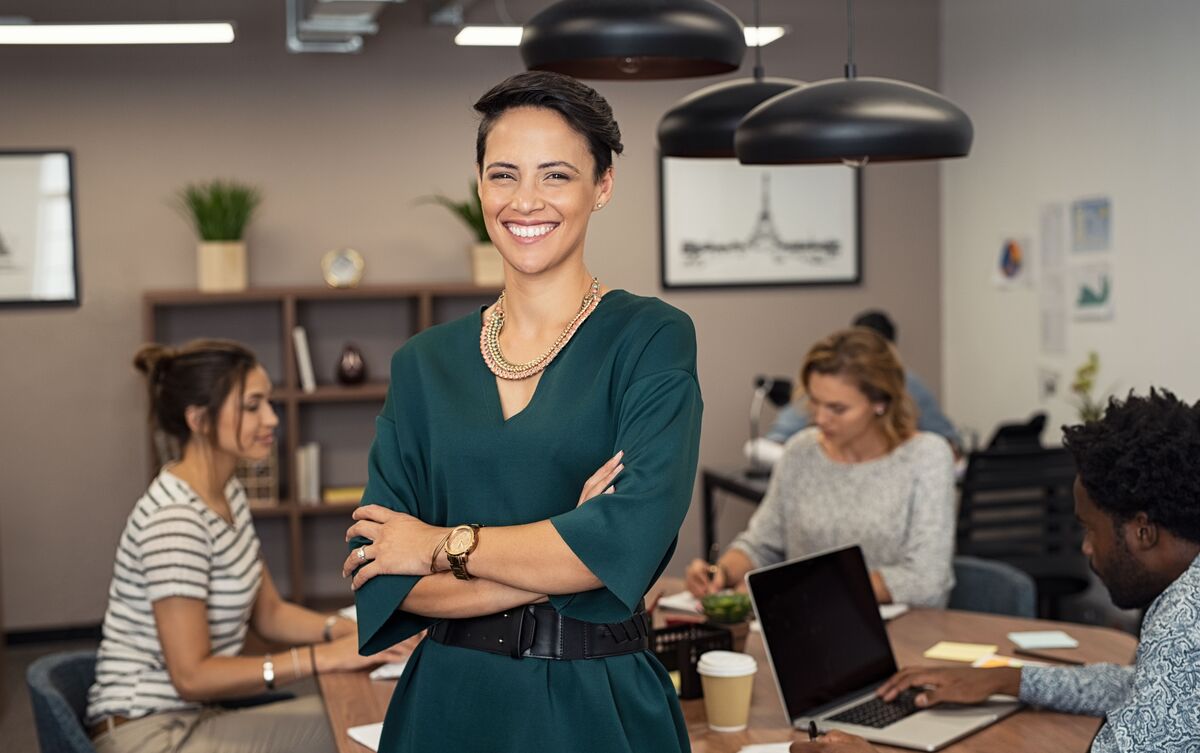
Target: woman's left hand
{"x":400,"y":544}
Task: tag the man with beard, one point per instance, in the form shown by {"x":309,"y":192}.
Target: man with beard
{"x":1137,"y":495}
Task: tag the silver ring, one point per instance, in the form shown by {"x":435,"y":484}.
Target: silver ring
{"x":362,"y":553}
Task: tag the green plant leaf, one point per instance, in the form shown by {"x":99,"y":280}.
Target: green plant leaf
{"x":469,"y":211}
{"x":219,"y":210}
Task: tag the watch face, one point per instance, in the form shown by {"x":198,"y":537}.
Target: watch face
{"x":460,"y":541}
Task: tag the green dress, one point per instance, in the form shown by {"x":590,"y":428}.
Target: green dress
{"x":444,"y":453}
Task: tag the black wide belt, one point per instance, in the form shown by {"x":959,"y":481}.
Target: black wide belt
{"x":540,"y":632}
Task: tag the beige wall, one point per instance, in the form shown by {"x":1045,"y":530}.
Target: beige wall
{"x":341,"y":145}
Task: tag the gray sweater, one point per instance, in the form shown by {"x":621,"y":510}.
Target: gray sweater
{"x":899,"y":508}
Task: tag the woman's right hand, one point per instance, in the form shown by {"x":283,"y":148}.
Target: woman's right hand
{"x":601,"y":480}
{"x":703,"y":579}
{"x":342,"y":655}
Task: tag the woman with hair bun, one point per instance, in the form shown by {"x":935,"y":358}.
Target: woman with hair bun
{"x":862,"y":474}
{"x":189,"y":581}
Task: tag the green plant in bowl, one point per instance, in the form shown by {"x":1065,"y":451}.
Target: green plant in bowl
{"x":726,"y":606}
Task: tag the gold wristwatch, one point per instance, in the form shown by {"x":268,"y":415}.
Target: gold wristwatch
{"x":458,"y":547}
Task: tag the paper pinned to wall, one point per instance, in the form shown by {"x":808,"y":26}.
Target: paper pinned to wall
{"x":1052,"y":307}
{"x":1092,"y":292}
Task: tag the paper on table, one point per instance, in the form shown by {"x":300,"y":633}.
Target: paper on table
{"x":367,"y":735}
{"x":390,"y":671}
{"x":766,"y":748}
{"x":1040,"y":639}
{"x":682,"y":601}
{"x":685,"y":602}
{"x":996,"y":660}
{"x":950,"y":651}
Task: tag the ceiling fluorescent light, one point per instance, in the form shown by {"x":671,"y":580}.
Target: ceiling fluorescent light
{"x":167,"y":33}
{"x":761,"y":36}
{"x":489,"y":36}
{"x":510,"y":36}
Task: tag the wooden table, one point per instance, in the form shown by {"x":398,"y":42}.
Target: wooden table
{"x":352,"y":699}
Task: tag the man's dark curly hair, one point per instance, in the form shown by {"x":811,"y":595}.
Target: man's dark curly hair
{"x":1144,"y":455}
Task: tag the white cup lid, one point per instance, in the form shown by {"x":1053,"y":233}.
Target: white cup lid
{"x":726,"y":664}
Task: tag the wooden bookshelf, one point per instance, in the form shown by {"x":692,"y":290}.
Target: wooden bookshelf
{"x":379,"y":319}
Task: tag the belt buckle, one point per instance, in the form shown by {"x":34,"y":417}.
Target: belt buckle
{"x":521,"y":632}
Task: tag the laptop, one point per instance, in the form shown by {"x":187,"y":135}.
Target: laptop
{"x":829,"y":651}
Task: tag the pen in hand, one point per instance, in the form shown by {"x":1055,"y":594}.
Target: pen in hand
{"x":713,"y":567}
{"x":812,"y":731}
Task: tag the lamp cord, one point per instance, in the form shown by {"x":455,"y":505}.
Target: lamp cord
{"x":851,"y":70}
{"x":758,"y":66}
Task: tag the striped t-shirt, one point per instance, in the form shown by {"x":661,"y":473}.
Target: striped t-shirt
{"x":173,"y":545}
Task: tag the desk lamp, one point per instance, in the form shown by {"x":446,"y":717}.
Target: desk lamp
{"x":777,"y":391}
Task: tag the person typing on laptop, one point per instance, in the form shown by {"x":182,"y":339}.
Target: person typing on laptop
{"x":1137,"y":494}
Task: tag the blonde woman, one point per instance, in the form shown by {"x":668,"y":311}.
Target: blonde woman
{"x":861,"y":474}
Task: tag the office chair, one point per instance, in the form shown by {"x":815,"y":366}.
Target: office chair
{"x":1019,"y":436}
{"x":994,"y":587}
{"x":1017,"y":506}
{"x":58,"y":686}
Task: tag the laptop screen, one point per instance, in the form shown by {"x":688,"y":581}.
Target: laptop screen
{"x":822,"y":628}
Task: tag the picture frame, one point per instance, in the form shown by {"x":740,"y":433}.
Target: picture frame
{"x":720,"y":224}
{"x":39,"y":260}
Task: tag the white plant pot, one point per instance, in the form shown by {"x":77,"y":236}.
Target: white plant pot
{"x":221,"y":266}
{"x":487,"y":266}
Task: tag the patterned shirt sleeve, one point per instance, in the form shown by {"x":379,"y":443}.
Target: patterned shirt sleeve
{"x":1092,"y":690}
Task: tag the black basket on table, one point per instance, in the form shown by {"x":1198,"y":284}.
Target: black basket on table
{"x":679,"y":648}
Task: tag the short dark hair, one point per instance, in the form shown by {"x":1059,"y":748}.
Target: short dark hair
{"x":588,"y":113}
{"x":201,"y":373}
{"x":1141,"y":457}
{"x":878,"y":321}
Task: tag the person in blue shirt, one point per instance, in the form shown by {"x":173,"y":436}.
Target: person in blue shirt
{"x":793,"y":417}
{"x":1137,"y":495}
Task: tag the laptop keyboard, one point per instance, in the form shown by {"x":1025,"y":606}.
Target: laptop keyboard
{"x":878,"y":713}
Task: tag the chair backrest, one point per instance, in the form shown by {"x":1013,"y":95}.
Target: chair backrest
{"x":1018,"y":506}
{"x":1019,"y":436}
{"x":58,"y":686}
{"x":990,"y":586}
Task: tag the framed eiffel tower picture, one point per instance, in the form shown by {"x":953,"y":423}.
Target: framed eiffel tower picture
{"x":725,"y":224}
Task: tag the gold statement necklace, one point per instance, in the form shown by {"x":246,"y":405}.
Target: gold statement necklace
{"x":489,"y":339}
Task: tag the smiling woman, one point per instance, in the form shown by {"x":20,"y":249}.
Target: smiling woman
{"x":531,"y":468}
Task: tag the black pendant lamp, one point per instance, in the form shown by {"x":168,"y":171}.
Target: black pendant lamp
{"x":634,"y":39}
{"x":702,"y":123}
{"x":853,"y":120}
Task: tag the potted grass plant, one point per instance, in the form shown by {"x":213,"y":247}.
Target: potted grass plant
{"x":487,"y":268}
{"x":220,"y":210}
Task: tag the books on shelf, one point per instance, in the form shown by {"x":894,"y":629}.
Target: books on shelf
{"x":304,"y":365}
{"x":342,"y":495}
{"x":308,"y":474}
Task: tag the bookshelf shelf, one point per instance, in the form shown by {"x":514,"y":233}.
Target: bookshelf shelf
{"x":339,"y":394}
{"x":378,"y":319}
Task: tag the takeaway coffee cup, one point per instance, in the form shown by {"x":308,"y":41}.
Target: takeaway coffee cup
{"x":728,"y":679}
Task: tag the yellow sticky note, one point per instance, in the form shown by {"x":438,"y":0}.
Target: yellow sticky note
{"x":965,"y":652}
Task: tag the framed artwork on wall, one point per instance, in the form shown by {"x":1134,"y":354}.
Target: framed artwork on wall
{"x":725,"y":224}
{"x":38,"y":257}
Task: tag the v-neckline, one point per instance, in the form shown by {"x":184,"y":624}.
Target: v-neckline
{"x":493,"y":380}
